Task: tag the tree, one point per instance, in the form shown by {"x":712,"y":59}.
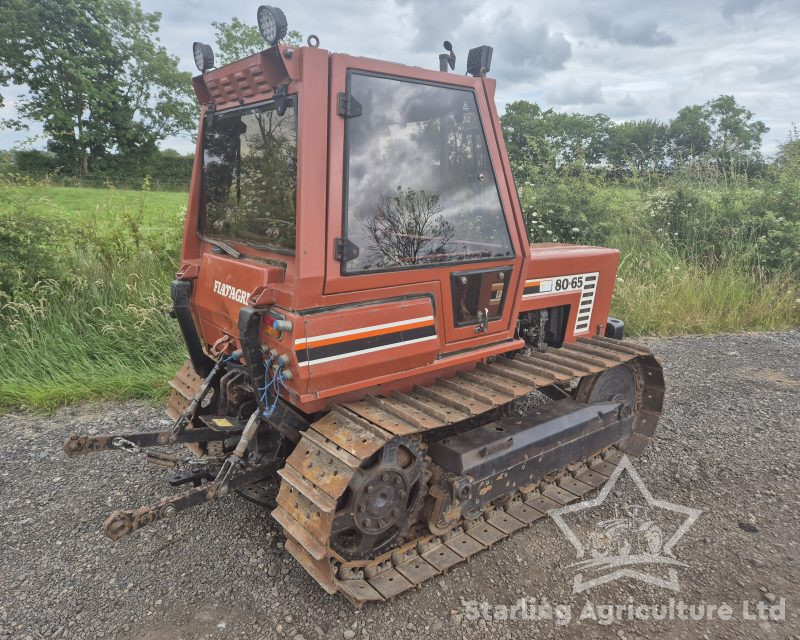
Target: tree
{"x":721,"y":129}
{"x":97,"y":78}
{"x":526,"y":132}
{"x":690,"y":133}
{"x":735,"y":136}
{"x":540,"y":140}
{"x":788,"y":159}
{"x":10,"y":56}
{"x":637,"y":146}
{"x":237,"y":40}
{"x":408,"y":229}
{"x":578,"y":137}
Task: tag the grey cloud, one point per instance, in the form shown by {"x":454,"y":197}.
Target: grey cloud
{"x":573,"y":94}
{"x":730,"y":8}
{"x":782,"y":9}
{"x":534,"y":48}
{"x":435,"y":21}
{"x":642,"y":33}
{"x":549,"y":50}
{"x":523,"y":50}
{"x":781,"y":71}
{"x":626,"y":107}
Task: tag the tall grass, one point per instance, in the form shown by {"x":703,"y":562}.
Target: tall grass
{"x":84,"y":276}
{"x":661,"y":292}
{"x":90,"y":338}
{"x":83,"y":306}
{"x":698,"y":254}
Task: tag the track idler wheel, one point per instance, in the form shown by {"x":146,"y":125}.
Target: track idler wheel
{"x":380,"y":501}
{"x":638,"y":385}
{"x":618,"y":384}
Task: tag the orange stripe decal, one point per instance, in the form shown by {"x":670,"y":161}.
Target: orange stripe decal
{"x":365,"y":334}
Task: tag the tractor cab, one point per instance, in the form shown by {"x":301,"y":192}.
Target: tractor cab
{"x":369,"y":206}
{"x":347,"y":194}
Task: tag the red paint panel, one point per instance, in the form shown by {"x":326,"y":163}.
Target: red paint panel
{"x":361,"y":343}
{"x":222,"y":289}
{"x":551,"y":260}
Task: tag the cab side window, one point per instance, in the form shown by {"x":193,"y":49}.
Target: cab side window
{"x":420,"y":189}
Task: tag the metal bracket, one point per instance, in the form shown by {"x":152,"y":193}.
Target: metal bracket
{"x":345,"y":250}
{"x":349,"y":107}
{"x":211,"y":115}
{"x":483,"y":320}
{"x":281,"y":98}
{"x":249,"y":331}
{"x":123,"y":522}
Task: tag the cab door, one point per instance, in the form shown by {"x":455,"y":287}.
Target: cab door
{"x":418,"y":195}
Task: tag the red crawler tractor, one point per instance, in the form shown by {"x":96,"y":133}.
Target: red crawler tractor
{"x":365,"y":318}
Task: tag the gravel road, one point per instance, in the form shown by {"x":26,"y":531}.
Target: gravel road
{"x":728,"y":445}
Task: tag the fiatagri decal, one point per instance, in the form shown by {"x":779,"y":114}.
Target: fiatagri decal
{"x":229,"y":291}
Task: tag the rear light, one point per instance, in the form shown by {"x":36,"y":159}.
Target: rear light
{"x":275,"y":326}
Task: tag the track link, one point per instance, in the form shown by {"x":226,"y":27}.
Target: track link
{"x":335,"y":447}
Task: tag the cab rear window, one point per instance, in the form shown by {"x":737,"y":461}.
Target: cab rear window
{"x":250,"y":176}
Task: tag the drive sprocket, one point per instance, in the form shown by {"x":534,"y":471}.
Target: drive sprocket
{"x":378,"y":504}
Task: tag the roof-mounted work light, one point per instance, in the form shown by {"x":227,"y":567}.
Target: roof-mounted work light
{"x":479,"y":60}
{"x":447,"y":59}
{"x":203,"y":56}
{"x":272,"y":24}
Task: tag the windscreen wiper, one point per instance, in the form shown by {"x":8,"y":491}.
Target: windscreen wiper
{"x":233,"y":253}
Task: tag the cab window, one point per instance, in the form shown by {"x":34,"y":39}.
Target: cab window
{"x":420,"y":189}
{"x":250,"y":176}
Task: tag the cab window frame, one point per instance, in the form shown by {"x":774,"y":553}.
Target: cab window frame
{"x":346,"y":181}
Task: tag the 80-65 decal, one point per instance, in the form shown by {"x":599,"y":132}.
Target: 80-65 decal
{"x":559,"y":284}
{"x":586,"y":283}
{"x":567,"y":284}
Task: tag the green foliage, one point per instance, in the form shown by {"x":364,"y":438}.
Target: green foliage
{"x":236,"y":40}
{"x":173,"y":168}
{"x":788,"y":160}
{"x":97,"y":78}
{"x":721,"y":132}
{"x":690,"y":134}
{"x":169,"y":169}
{"x":84,"y":311}
{"x":83,"y":301}
{"x":31,"y":248}
{"x":698,"y":255}
{"x":525,"y":132}
{"x":660,"y":292}
{"x":545,"y":140}
{"x":36,"y":162}
{"x":84,"y":274}
{"x":562,"y":209}
{"x":637,"y":147}
{"x":735,"y":136}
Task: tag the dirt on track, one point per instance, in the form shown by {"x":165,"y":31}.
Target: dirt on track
{"x":728,"y":445}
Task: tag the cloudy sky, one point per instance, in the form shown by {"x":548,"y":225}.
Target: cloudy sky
{"x":626,"y":58}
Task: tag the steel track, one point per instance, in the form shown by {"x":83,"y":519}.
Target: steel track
{"x":335,"y":447}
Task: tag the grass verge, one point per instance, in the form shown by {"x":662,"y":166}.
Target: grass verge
{"x":84,"y":286}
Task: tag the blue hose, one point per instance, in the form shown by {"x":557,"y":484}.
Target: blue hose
{"x":276,"y":383}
